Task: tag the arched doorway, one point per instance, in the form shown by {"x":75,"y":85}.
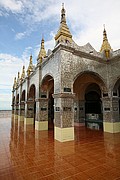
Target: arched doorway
{"x":23,"y":96}
{"x":93,"y":107}
{"x":116,"y":94}
{"x":88,"y":88}
{"x":17,"y":104}
{"x":31,"y":97}
{"x":47,"y":89}
{"x":22,"y":104}
{"x":13,"y":105}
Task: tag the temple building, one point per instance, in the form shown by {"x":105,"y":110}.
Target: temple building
{"x":70,"y":86}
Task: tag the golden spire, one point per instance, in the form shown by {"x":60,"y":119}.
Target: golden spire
{"x":15,"y":83}
{"x":63,"y":34}
{"x":63,"y":18}
{"x":30,"y":67}
{"x":42,"y":52}
{"x":23,"y":73}
{"x":18,"y":79}
{"x":105,"y":45}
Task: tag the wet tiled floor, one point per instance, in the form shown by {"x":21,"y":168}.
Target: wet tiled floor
{"x":26,"y":154}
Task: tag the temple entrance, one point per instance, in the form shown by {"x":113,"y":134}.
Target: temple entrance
{"x":22,"y":104}
{"x":32,"y":95}
{"x":47,"y":88}
{"x":93,"y":107}
{"x":87,"y":103}
{"x":50,"y":111}
{"x":116,"y":93}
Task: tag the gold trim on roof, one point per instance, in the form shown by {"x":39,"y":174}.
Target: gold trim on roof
{"x":23,"y":73}
{"x":30,"y":67}
{"x":42,"y":52}
{"x":63,"y":34}
{"x":105,"y":45}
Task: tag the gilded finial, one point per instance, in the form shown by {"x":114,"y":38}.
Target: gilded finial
{"x":30,"y":67}
{"x":105,"y":45}
{"x":63,"y":18}
{"x":42,"y":53}
{"x":63,"y":35}
{"x":23,"y":73}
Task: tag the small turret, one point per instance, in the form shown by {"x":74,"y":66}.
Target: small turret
{"x":63,"y":34}
{"x":42,"y":53}
{"x":30,"y":67}
{"x":23,"y":73}
{"x":106,"y":48}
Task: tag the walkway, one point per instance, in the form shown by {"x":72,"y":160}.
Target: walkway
{"x":26,"y":154}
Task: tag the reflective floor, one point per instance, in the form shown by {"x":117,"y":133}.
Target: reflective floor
{"x":30,"y":155}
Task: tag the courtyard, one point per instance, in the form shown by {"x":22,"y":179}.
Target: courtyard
{"x":27,"y":154}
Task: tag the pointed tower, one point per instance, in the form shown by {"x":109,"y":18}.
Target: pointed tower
{"x":42,"y":52}
{"x":23,"y":73}
{"x":63,"y":34}
{"x":18,"y":79}
{"x":30,"y":67}
{"x":106,"y":48}
{"x":15,"y":83}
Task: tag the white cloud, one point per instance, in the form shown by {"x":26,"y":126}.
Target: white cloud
{"x":85,"y":18}
{"x":11,"y":5}
{"x":20,"y":35}
{"x":9,"y":67}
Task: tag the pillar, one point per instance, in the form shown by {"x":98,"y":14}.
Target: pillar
{"x":16,"y":111}
{"x":64,"y":117}
{"x":111,"y":122}
{"x":41,"y":121}
{"x":29,"y":113}
{"x":22,"y":111}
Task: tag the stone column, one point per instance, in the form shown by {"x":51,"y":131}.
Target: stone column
{"x":16,"y":111}
{"x":64,"y":117}
{"x":111,"y":122}
{"x":13,"y":109}
{"x":22,"y":111}
{"x":76,"y":111}
{"x":29,"y":112}
{"x":41,"y":121}
{"x":82,"y":111}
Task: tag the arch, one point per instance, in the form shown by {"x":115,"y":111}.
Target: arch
{"x":94,"y":74}
{"x":47,"y":90}
{"x":93,"y":99}
{"x":116,"y":85}
{"x":23,"y":95}
{"x":32,"y":92}
{"x":17,"y":99}
{"x":13,"y":100}
{"x":88,"y":88}
{"x":86,"y":78}
{"x":45,"y":81}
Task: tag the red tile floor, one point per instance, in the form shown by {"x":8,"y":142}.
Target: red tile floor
{"x":26,"y":154}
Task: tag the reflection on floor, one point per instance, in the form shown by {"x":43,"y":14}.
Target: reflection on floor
{"x":31,"y":155}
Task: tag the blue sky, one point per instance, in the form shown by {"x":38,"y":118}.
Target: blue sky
{"x":23,"y":22}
